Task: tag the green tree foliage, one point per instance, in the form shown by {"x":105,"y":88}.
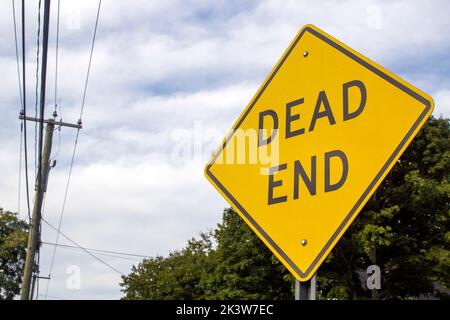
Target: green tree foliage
{"x":178,"y":276}
{"x":404,"y":229}
{"x":238,"y":266}
{"x":13,"y":243}
{"x":243,"y":267}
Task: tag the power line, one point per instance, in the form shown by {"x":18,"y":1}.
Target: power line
{"x":42,"y":174}
{"x":56,"y":58}
{"x":40,"y":185}
{"x":90,"y":59}
{"x":98,"y":253}
{"x":25,"y":111}
{"x":42,"y":93}
{"x":20,"y":170}
{"x":82,"y":248}
{"x":75,"y":143}
{"x":21,"y":106}
{"x":100,"y":250}
{"x":56,"y":77}
{"x":64,"y":202}
{"x":17,"y":53}
{"x":37,"y":92}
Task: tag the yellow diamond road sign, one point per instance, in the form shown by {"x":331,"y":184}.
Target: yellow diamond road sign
{"x":312,"y":146}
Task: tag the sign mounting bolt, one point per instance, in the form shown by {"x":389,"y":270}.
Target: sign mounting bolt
{"x":305,"y":54}
{"x":304,"y":242}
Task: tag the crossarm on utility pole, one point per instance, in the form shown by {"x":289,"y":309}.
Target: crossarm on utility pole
{"x":56,"y":123}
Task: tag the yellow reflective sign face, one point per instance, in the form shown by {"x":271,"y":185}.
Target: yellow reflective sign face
{"x":313,"y":145}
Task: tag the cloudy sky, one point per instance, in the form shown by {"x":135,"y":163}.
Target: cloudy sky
{"x":168,"y":80}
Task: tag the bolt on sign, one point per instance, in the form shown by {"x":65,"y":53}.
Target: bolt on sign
{"x":313,"y":145}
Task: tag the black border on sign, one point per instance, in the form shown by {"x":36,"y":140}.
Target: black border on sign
{"x":353,"y":211}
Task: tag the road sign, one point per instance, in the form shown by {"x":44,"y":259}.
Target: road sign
{"x":312,"y":146}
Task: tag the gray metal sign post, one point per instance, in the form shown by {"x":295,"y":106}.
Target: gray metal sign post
{"x":306,"y":290}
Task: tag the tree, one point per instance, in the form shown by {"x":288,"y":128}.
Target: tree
{"x":13,"y":243}
{"x":176,"y":277}
{"x":244,"y":267}
{"x":239,"y":266}
{"x":404,"y":229}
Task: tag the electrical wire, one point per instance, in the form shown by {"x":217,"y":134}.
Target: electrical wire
{"x":41,"y":165}
{"x":17,"y":53}
{"x":42,"y":93}
{"x":21,"y":107}
{"x":58,"y":230}
{"x":20,"y":170}
{"x":90,"y":58}
{"x":98,"y":251}
{"x":25,"y":112}
{"x":75,"y":143}
{"x":82,"y":248}
{"x":56,"y":76}
{"x":56,"y":54}
{"x":37,"y":94}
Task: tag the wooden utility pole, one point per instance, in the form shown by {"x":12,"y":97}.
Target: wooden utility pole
{"x":42,"y":168}
{"x":33,"y":236}
{"x":45,"y":148}
{"x":34,"y":232}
